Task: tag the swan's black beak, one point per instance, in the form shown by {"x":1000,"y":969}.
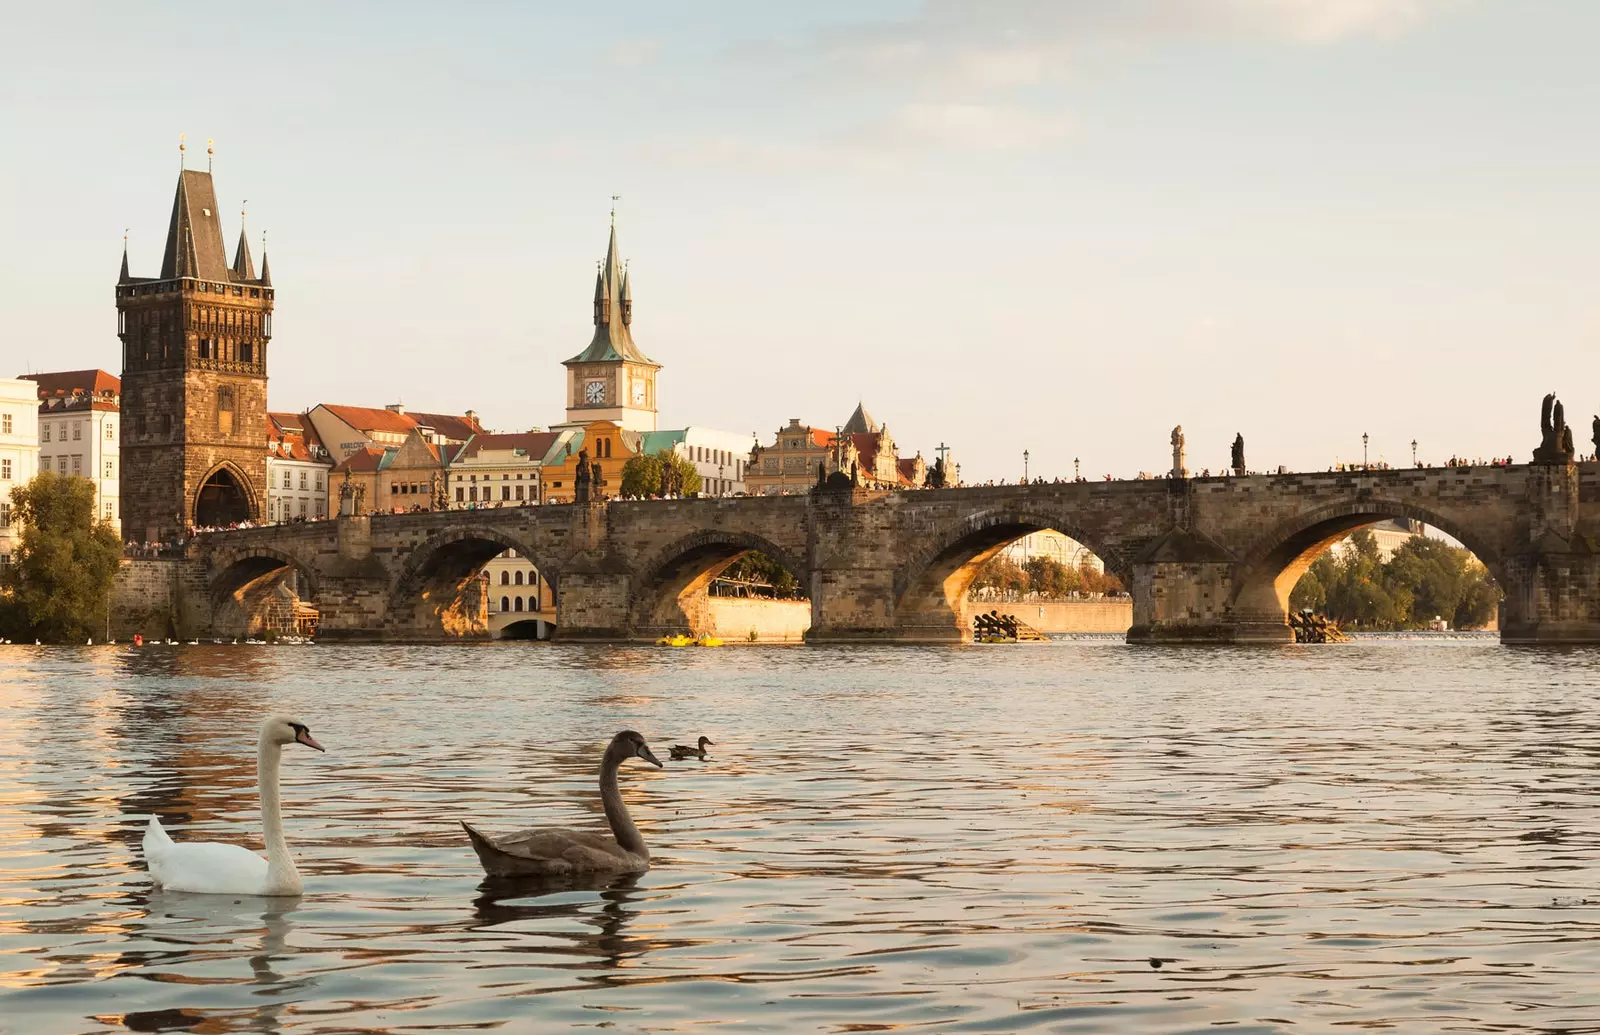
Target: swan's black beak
{"x":303,"y":736}
{"x":645,"y":753}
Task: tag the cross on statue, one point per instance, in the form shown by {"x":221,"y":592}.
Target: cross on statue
{"x":943,"y":451}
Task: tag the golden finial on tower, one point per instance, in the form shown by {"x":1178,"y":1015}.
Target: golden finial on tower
{"x":210,"y":150}
{"x":244,"y":206}
{"x":614,"y":199}
{"x":181,"y":148}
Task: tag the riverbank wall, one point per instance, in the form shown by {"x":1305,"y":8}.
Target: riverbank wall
{"x":1111,"y":615}
{"x":740,"y":620}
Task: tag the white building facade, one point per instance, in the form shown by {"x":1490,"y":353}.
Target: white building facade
{"x":19,"y":453}
{"x":79,"y":412}
{"x":297,"y":472}
{"x":719,"y":456}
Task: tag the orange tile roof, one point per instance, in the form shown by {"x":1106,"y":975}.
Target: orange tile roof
{"x":453,"y":428}
{"x":365,"y":418}
{"x":77,"y":389}
{"x":534,"y":443}
{"x":363,"y":461}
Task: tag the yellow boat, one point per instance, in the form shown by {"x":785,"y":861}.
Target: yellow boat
{"x":688,"y":641}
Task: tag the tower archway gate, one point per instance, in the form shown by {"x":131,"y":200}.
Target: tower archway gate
{"x":1206,"y":560}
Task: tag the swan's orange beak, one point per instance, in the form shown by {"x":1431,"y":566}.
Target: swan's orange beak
{"x":304,"y":737}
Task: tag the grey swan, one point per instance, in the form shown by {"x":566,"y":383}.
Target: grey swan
{"x":679,"y":752}
{"x":545,"y":851}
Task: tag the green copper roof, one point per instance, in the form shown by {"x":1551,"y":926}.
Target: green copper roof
{"x":613,"y":341}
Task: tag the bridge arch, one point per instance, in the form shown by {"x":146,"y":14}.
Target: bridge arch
{"x":931,"y":587}
{"x":1269,"y":569}
{"x":245,"y":584}
{"x":669,"y":593}
{"x":432,"y":597}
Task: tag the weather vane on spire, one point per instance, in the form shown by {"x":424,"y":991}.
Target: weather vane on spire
{"x":181,"y":148}
{"x":244,"y":206}
{"x":614,"y":199}
{"x":210,"y":150}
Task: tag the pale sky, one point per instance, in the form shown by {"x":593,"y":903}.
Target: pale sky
{"x":1054,"y":225}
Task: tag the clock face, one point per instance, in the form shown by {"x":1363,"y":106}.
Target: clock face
{"x":595,"y":391}
{"x":638,"y":393}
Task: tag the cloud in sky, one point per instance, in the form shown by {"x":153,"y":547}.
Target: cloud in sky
{"x":990,"y":75}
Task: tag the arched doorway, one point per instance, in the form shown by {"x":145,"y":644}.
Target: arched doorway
{"x":223,"y":500}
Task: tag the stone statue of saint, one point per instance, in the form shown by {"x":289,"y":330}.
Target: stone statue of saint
{"x":1596,"y":438}
{"x":360,"y":500}
{"x":1178,"y":470}
{"x":1238,"y":453}
{"x":441,"y":499}
{"x":1555,"y":439}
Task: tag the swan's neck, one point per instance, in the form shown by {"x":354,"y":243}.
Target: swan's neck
{"x":281,"y":872}
{"x":622,"y":827}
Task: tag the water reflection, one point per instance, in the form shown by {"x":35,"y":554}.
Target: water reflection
{"x":1389,"y":836}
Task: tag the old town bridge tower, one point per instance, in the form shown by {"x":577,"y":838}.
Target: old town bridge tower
{"x":194,"y":376}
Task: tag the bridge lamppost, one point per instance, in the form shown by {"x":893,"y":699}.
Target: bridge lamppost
{"x":720,"y":490}
{"x":1024,"y":467}
{"x":1075,"y":476}
{"x":1413,"y":452}
{"x":1363,"y":450}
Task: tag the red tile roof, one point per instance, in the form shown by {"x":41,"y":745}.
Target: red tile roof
{"x":365,"y":418}
{"x":533,"y":443}
{"x":453,"y":428}
{"x":363,"y":461}
{"x":285,"y":444}
{"x":908,"y":471}
{"x":822,"y":437}
{"x":77,"y":390}
{"x":867,"y":446}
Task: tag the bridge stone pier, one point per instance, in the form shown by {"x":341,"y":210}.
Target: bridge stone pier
{"x":1207,"y":560}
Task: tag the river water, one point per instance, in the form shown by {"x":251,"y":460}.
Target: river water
{"x":1402,"y":835}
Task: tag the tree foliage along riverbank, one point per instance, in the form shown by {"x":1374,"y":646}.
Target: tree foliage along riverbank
{"x":1425,"y":577}
{"x":1045,"y":576}
{"x":757,"y":567}
{"x":642,"y":474}
{"x":59,"y":583}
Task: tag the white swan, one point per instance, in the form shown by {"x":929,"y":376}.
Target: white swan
{"x":210,"y":868}
{"x":556,"y":850}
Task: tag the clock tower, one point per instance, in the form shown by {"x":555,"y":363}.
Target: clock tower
{"x":611,"y":379}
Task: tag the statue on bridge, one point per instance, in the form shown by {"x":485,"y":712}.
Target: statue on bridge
{"x":1238,"y":454}
{"x":1596,"y":438}
{"x":441,"y":496}
{"x":1178,"y":470}
{"x":580,"y":481}
{"x":936,"y":476}
{"x":346,"y":496}
{"x":1555,"y":438}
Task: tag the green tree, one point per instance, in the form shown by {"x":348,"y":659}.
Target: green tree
{"x":1423,"y":578}
{"x":1001,"y":574}
{"x":1050,"y":578}
{"x":756,"y":566}
{"x":61,"y":572}
{"x":642,"y":475}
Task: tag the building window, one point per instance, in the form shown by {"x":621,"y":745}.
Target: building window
{"x":519,"y":490}
{"x":472,"y":494}
{"x":505,"y":603}
{"x":61,"y":464}
{"x":5,"y":470}
{"x":302,"y":481}
{"x":109,"y":470}
{"x":77,"y":432}
{"x":287,"y":480}
{"x":305,"y":506}
{"x":460,"y":494}
{"x":505,"y":578}
{"x":108,"y":510}
{"x":44,"y":433}
{"x":111,"y":431}
{"x":505,"y":492}
{"x":516,"y":604}
{"x":319,"y":481}
{"x":5,"y":424}
{"x":5,"y":515}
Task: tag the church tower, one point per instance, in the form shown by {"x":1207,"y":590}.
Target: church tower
{"x":194,"y":376}
{"x":611,"y":379}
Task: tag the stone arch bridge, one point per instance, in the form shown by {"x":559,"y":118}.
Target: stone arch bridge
{"x":1206,"y":559}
